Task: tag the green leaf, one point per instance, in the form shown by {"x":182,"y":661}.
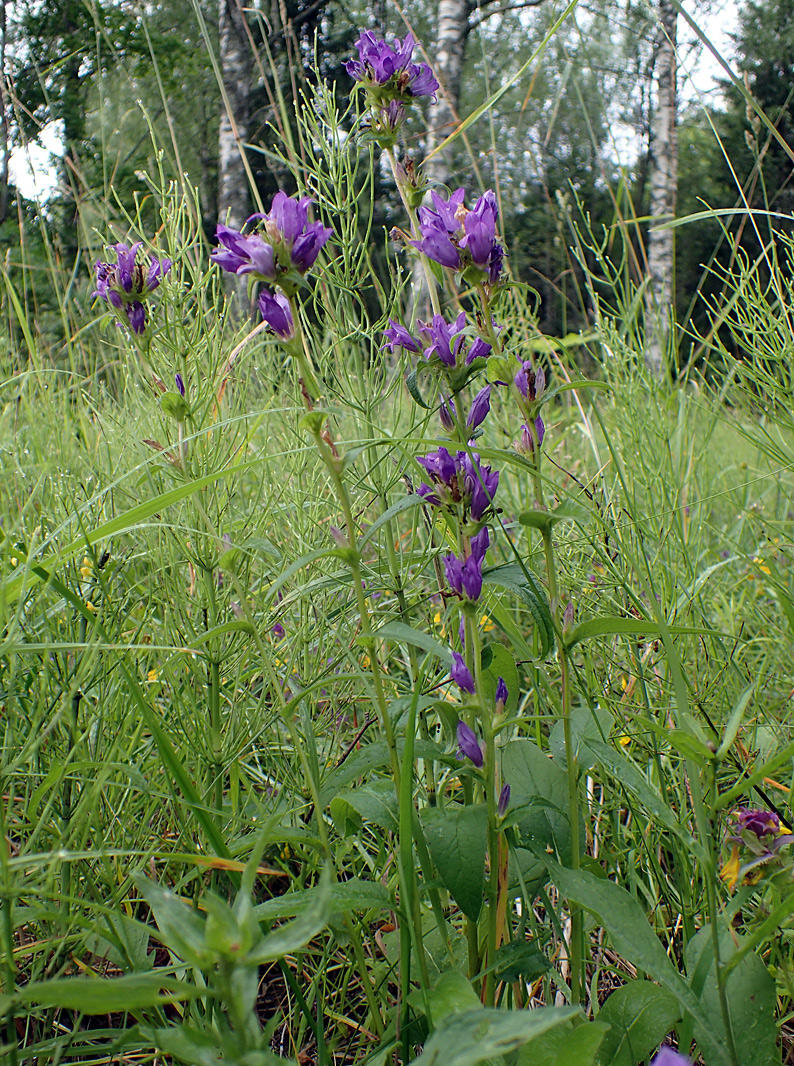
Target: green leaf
{"x":565,"y":1045}
{"x":296,"y":934}
{"x":180,"y":927}
{"x":412,"y":384}
{"x":568,"y":511}
{"x":522,"y":584}
{"x":538,"y":798}
{"x":612,"y":625}
{"x":405,"y":503}
{"x":456,"y":837}
{"x":174,"y":406}
{"x":468,"y":1038}
{"x":586,"y":724}
{"x":452,"y":994}
{"x":632,"y":937}
{"x":401,"y":633}
{"x":352,"y":895}
{"x":375,"y":801}
{"x":520,"y":958}
{"x":501,"y":664}
{"x":99,"y":995}
{"x":640,"y":1015}
{"x":750,"y":994}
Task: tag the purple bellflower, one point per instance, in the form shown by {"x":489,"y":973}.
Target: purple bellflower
{"x":669,"y":1057}
{"x":125,"y":284}
{"x":480,"y":544}
{"x":458,"y":238}
{"x":501,"y":696}
{"x":386,"y":70}
{"x":461,"y":674}
{"x":480,"y":407}
{"x":464,"y":576}
{"x":504,"y":801}
{"x":458,"y":480}
{"x":439,"y":340}
{"x":530,"y":383}
{"x":287,"y":245}
{"x":526,"y":444}
{"x":276,"y":311}
{"x":446,"y":413}
{"x":180,"y":384}
{"x":468,"y":745}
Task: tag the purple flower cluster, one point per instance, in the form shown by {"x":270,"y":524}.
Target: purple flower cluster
{"x":125,"y":284}
{"x":458,"y":238}
{"x":531,"y":384}
{"x":279,"y":253}
{"x":439,"y":340}
{"x":465,"y":575}
{"x":386,"y":70}
{"x":757,"y":821}
{"x":459,"y":480}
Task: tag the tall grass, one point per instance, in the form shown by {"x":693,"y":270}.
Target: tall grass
{"x":229,"y":734}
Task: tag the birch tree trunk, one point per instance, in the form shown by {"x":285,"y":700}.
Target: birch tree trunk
{"x":237,"y":67}
{"x":453,"y":26}
{"x":663,"y":180}
{"x":452,"y":29}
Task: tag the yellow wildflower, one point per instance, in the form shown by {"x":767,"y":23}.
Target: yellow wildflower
{"x":759,"y":562}
{"x":152,"y":675}
{"x":86,"y":569}
{"x":730,"y":871}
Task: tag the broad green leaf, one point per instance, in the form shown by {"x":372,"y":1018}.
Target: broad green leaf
{"x":538,"y":799}
{"x":500,"y":664}
{"x":352,"y":895}
{"x":520,"y":958}
{"x":106,"y":995}
{"x":512,"y":577}
{"x":469,"y":1038}
{"x":456,"y":837}
{"x":639,"y":1015}
{"x":586,"y":724}
{"x":180,"y":927}
{"x":632,"y":937}
{"x":452,"y":994}
{"x":296,"y":934}
{"x":568,"y":511}
{"x":750,"y":994}
{"x":612,"y":625}
{"x":375,"y":801}
{"x":372,"y":756}
{"x":565,"y":1045}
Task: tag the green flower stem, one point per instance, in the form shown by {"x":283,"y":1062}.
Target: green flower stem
{"x":489,"y":788}
{"x":215,"y":766}
{"x":576,"y":952}
{"x":299,"y":348}
{"x":416,"y":234}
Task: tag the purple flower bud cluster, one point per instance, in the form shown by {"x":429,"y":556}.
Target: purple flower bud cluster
{"x":284,"y":248}
{"x":456,"y":237}
{"x":468,"y":744}
{"x":464,"y":576}
{"x":125,"y":284}
{"x":440,"y":341}
{"x":530,"y":382}
{"x":461,"y":480}
{"x":386,"y":70}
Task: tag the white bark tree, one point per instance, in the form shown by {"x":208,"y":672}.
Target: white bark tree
{"x":663,"y":181}
{"x":236,"y":61}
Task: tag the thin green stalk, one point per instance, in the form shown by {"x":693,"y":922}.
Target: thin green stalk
{"x":7,"y":937}
{"x":416,"y":233}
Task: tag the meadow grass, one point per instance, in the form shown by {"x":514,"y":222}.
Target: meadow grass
{"x":225,"y":681}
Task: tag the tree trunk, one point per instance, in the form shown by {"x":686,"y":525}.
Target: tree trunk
{"x":663,"y":180}
{"x":453,"y":26}
{"x":237,"y":67}
{"x":5,"y":105}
